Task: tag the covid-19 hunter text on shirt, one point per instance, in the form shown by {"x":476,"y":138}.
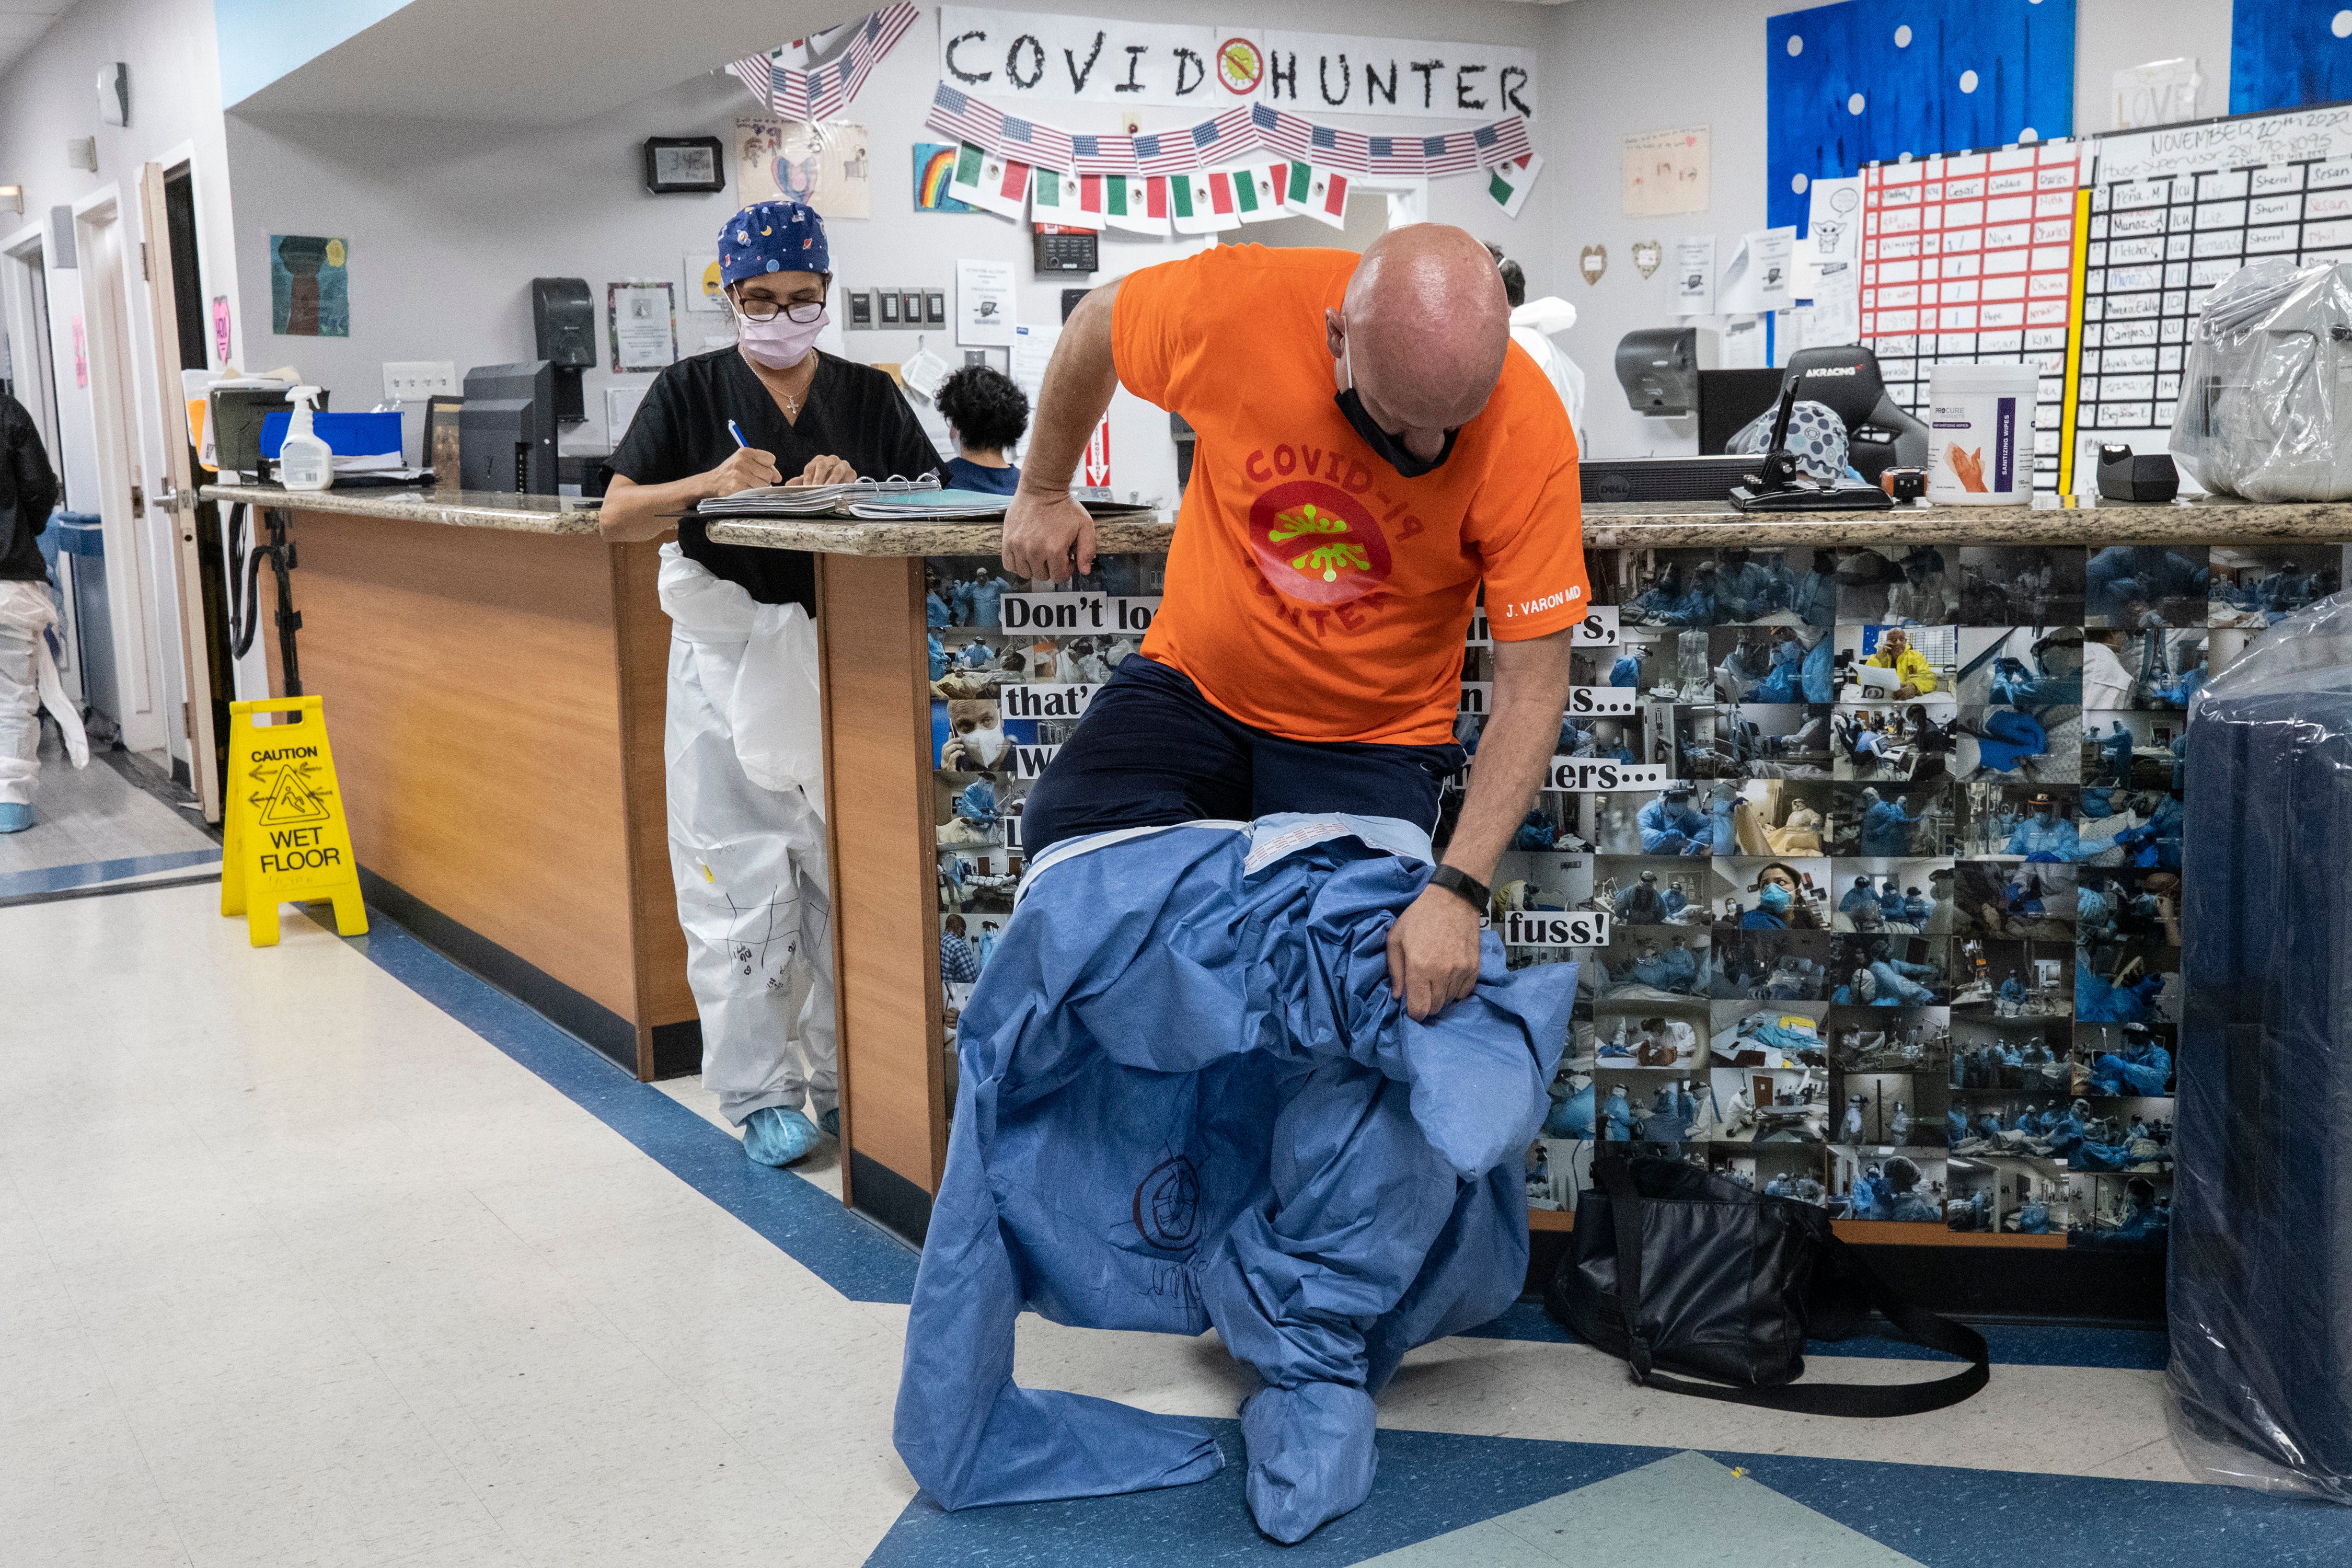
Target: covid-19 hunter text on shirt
{"x":1313,"y":591}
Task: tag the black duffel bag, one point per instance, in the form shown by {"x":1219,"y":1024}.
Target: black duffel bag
{"x":1719,"y":1281}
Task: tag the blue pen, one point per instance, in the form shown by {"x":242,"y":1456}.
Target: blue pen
{"x":731,"y":430}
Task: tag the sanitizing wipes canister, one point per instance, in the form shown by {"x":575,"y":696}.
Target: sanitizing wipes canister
{"x":1980,"y":435}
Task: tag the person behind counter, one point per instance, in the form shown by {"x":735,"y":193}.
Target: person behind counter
{"x":986,"y":413}
{"x":747,"y":847}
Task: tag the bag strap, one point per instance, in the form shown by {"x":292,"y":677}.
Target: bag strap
{"x":1915,"y":1324}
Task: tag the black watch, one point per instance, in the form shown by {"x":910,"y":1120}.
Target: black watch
{"x":1462,"y":884}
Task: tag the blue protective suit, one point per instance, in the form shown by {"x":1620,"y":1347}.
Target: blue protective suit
{"x":1855,"y":898}
{"x":976,"y":802}
{"x":2113,"y":575}
{"x":1692,"y":607}
{"x":988,"y":602}
{"x":975,"y":655}
{"x":960,"y":603}
{"x":1746,"y":591}
{"x":1812,"y":595}
{"x":1785,"y":682}
{"x":2009,"y":737}
{"x":1304,"y":1168}
{"x":1920,"y":910}
{"x":939,"y":651}
{"x":1616,"y":1120}
{"x":2144,"y":1071}
{"x":1886,"y":829}
{"x":1633,"y":906}
{"x":1890,"y":902}
{"x":1762,"y":919}
{"x":2012,"y":990}
{"x":2180,"y":760}
{"x":2156,"y":841}
{"x":2183,"y":690}
{"x":1669,"y":828}
{"x":1897,"y":984}
{"x":935,"y":613}
{"x":2118,"y":751}
{"x":2056,"y":839}
{"x":1821,"y":672}
{"x":1726,"y":841}
{"x":1626,"y":671}
{"x":1681,"y":965}
{"x":1652,"y":971}
{"x":1534,"y":833}
{"x":1571,"y":1116}
{"x":2097,"y":1002}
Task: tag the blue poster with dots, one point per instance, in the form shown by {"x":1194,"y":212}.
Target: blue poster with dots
{"x":2287,"y":53}
{"x":1874,"y":80}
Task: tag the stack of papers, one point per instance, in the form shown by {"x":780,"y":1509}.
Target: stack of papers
{"x":936,"y":505}
{"x":808,"y":501}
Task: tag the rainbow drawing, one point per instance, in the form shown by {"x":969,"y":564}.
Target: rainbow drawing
{"x":934,"y":167}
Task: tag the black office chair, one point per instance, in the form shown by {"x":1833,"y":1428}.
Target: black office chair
{"x":1879,"y":435}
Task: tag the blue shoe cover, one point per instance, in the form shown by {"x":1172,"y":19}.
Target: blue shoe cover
{"x":1311,"y":1457}
{"x":831,"y":1122}
{"x":775,"y":1136}
{"x":14,"y":817}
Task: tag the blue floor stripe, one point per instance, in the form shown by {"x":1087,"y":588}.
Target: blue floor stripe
{"x":61,"y":878}
{"x":856,"y":1258}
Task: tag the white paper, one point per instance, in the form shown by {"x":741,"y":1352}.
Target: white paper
{"x":1829,"y":265}
{"x":643,"y":324}
{"x":1758,"y":279}
{"x":2162,"y":92}
{"x":1743,"y":344}
{"x":924,"y":372}
{"x":1032,"y":348}
{"x":1695,"y":275}
{"x":1666,"y":172}
{"x":620,"y":407}
{"x":984,"y":316}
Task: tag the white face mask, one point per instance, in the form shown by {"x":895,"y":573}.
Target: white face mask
{"x":987,"y":744}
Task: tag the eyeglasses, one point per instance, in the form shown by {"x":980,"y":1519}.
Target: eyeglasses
{"x":801,"y":310}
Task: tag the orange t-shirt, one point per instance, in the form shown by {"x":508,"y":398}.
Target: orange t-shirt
{"x":1313,"y":591}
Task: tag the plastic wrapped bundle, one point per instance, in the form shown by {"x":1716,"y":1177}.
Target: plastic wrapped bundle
{"x":2260,"y":1273}
{"x":2263,"y":413}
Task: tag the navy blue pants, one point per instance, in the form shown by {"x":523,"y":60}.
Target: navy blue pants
{"x":1152,"y":751}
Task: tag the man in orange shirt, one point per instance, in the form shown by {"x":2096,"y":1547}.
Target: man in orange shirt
{"x":1369,"y":450}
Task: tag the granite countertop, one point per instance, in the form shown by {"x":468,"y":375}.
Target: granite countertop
{"x":454,"y":509}
{"x":1607,"y":524}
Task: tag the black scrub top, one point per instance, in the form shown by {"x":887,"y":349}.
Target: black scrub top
{"x":853,"y":411}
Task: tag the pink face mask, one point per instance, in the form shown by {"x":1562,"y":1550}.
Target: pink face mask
{"x":781,"y":343}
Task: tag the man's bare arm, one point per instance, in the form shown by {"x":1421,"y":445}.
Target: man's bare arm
{"x":1433,"y":946}
{"x":1045,"y":531}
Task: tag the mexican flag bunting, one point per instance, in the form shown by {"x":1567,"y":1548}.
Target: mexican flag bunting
{"x":1507,"y":182}
{"x":1319,"y":193}
{"x":1135,"y":203}
{"x":1059,"y":198}
{"x":990,"y":181}
{"x":1258,"y":191}
{"x":1203,"y":202}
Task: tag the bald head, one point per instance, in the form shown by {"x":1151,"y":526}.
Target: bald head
{"x":1422,"y":328}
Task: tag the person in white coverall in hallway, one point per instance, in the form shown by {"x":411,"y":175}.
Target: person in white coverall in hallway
{"x":28,"y":671}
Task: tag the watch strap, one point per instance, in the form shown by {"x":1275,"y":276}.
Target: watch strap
{"x":1462,"y":884}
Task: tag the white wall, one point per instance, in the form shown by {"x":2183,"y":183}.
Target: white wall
{"x":449,"y":223}
{"x":1620,"y":66}
{"x":49,"y":95}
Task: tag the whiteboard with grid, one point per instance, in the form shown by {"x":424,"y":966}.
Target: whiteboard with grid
{"x":2174,"y":211}
{"x":1968,"y":259}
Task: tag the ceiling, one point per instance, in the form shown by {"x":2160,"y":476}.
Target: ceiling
{"x":529,"y":62}
{"x":21,"y":22}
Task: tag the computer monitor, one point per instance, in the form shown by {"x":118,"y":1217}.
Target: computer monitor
{"x":1727,"y":400}
{"x":506,"y":432}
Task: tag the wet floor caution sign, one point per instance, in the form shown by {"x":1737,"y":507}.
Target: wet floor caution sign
{"x":286,"y":838}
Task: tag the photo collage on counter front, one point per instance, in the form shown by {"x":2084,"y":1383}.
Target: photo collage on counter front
{"x":1888,"y":842}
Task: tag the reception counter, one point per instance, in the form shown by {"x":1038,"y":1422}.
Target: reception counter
{"x":494,"y":677}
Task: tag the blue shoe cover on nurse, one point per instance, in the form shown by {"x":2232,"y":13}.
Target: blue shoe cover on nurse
{"x":775,"y":1136}
{"x":1187,"y":1098}
{"x":15,"y":818}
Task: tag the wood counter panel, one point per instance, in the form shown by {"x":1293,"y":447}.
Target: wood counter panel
{"x":425,"y":640}
{"x":885,"y":867}
{"x":642,"y":670}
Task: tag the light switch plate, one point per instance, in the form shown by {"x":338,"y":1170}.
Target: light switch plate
{"x":415,"y":380}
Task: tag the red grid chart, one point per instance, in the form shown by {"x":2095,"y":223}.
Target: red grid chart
{"x":1968,"y":259}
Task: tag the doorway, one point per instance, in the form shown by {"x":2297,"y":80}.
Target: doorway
{"x":136,"y":607}
{"x":25,"y":317}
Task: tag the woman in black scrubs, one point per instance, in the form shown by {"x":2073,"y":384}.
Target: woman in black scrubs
{"x":806,"y":416}
{"x":747,"y":845}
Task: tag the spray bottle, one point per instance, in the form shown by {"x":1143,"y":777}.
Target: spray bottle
{"x":304,"y":462}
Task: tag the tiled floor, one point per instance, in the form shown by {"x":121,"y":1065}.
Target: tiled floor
{"x":330,"y":1254}
{"x":115,"y":820}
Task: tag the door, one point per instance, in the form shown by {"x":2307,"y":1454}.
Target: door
{"x":167,"y":216}
{"x":131,"y":576}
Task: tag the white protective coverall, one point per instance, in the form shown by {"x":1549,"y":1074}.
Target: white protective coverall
{"x":744,"y":751}
{"x":1532,"y":325}
{"x":28,"y":682}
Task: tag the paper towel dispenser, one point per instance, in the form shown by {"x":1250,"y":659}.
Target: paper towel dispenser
{"x":1658,"y":367}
